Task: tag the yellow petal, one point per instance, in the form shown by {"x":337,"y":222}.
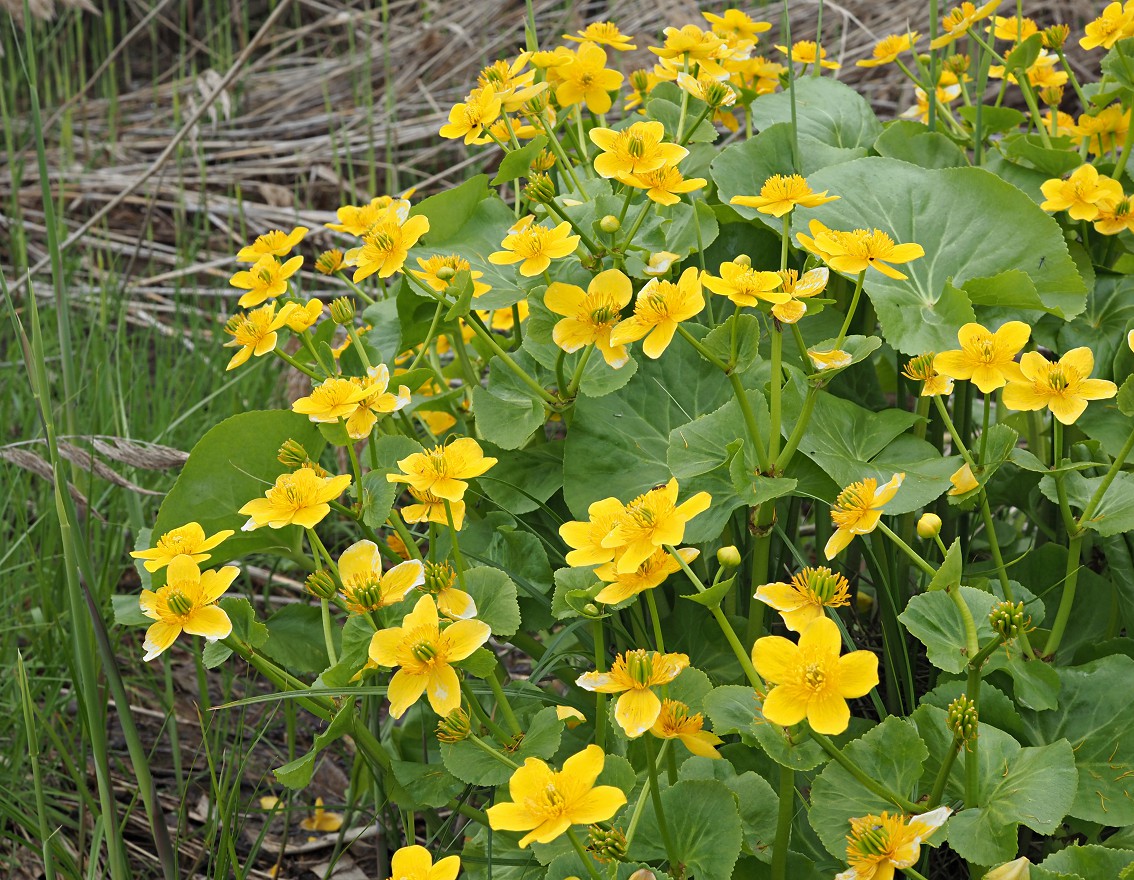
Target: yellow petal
{"x":405,"y":689}
{"x":360,"y":558}
{"x":465,"y":636}
{"x":858,"y":673}
{"x":411,"y":862}
{"x":776,"y":658}
{"x":828,"y":713}
{"x":210,"y":622}
{"x":636,"y":711}
{"x":784,"y":706}
{"x":443,"y":689}
{"x":821,"y":637}
{"x":597,"y":805}
{"x":584,"y":767}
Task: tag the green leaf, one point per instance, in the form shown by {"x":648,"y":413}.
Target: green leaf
{"x":1113,"y":515}
{"x":297,"y":774}
{"x":127,"y":611}
{"x":913,"y":142}
{"x":378,"y":493}
{"x":669,"y":114}
{"x":748,"y":333}
{"x":481,"y":663}
{"x":935,"y":621}
{"x":714,"y":595}
{"x":1029,"y":150}
{"x":681,"y":228}
{"x":508,"y":412}
{"x":460,"y":290}
{"x":423,"y":785}
{"x":524,"y":479}
{"x":517,"y":163}
{"x":1102,"y":327}
{"x":1024,"y":54}
{"x":891,"y":754}
{"x":498,"y":540}
{"x":704,"y":827}
{"x":574,"y":589}
{"x":1087,"y":861}
{"x":1119,"y":63}
{"x":1125,"y":399}
{"x":495,"y":597}
{"x":993,"y":120}
{"x":295,"y":638}
{"x":950,"y":571}
{"x":214,"y":654}
{"x":733,"y":709}
{"x":826,"y":110}
{"x":469,"y":763}
{"x":245,"y":626}
{"x":451,"y":209}
{"x":755,"y":799}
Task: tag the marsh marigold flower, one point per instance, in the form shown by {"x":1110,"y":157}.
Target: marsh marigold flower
{"x":811,"y":680}
{"x":443,"y":470}
{"x":782,"y":193}
{"x":659,"y":263}
{"x":1115,"y":22}
{"x":659,"y":307}
{"x":799,"y":288}
{"x":921,"y":369}
{"x":254,"y":332}
{"x":545,"y":803}
{"x":1013,"y":29}
{"x":1063,"y":386}
{"x":735,"y":24}
{"x":675,"y":721}
{"x":585,"y":79}
{"x":275,"y":243}
{"x":468,"y":119}
{"x":438,"y":272}
{"x":366,"y":587}
{"x":804,"y":599}
{"x":1115,"y":216}
{"x":663,"y":185}
{"x":808,"y":52}
{"x":513,"y":85}
{"x":985,"y":358}
{"x":639,"y":147}
{"x":603,"y":33}
{"x":887,"y":50}
{"x":623,"y":585}
{"x":534,"y":246}
{"x":427,"y":507}
{"x":415,"y":863}
{"x":963,"y":480}
{"x":322,"y":820}
{"x":440,"y":583}
{"x":357,"y":219}
{"x":386,"y":244}
{"x":585,"y":538}
{"x":377,"y":401}
{"x":423,"y":653}
{"x":298,"y":498}
{"x":650,"y":521}
{"x":632,"y":675}
{"x":699,"y":46}
{"x":187,"y":540}
{"x":1105,"y":131}
{"x":187,"y":603}
{"x":1081,"y":194}
{"x":712,"y":90}
{"x":746,"y":286}
{"x":879,"y":845}
{"x":857,"y":251}
{"x":590,"y":316}
{"x":858,"y":510}
{"x":267,"y":279}
{"x":829,"y":359}
{"x":959,"y":19}
{"x":303,"y":317}
{"x":329,"y":262}
{"x":333,"y":399}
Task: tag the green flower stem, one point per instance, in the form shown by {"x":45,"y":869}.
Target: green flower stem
{"x":931,"y":89}
{"x":785,"y":240}
{"x":626,"y":202}
{"x":471,"y":376}
{"x":972,"y":645}
{"x":577,"y":376}
{"x":1115,"y":467}
{"x":939,"y":783}
{"x":557,"y":149}
{"x":284,"y":356}
{"x":655,"y":620}
{"x":700,"y":118}
{"x":460,"y":560}
{"x":808,"y":369}
{"x":489,"y":750}
{"x":317,"y":547}
{"x":305,"y":340}
{"x":478,"y":710}
{"x":867,"y":782}
{"x":399,"y":525}
{"x":517,"y":327}
{"x":750,"y":422}
{"x":984,"y":429}
{"x":912,"y":874}
{"x":639,"y":807}
{"x":972,"y":745}
{"x":31,"y":729}
{"x":851,"y":309}
{"x":637,"y":223}
{"x":320,"y":707}
{"x":655,"y":795}
{"x":553,"y":208}
{"x":356,"y":341}
{"x":701,"y":350}
{"x":505,"y":706}
{"x":362,"y":294}
{"x":328,"y":636}
{"x":600,"y":698}
{"x":684,"y":98}
{"x":582,"y":854}
{"x":1067,"y":600}
{"x":430,"y":334}
{"x":907,"y":549}
{"x":729,"y":633}
{"x":785,"y":30}
{"x":700,"y":248}
{"x":763,"y":517}
{"x":1084,"y":102}
{"x":797,"y":432}
{"x":560,"y":375}
{"x":521,"y":374}
{"x":776,"y":389}
{"x":783,"y":823}
{"x":583,"y":152}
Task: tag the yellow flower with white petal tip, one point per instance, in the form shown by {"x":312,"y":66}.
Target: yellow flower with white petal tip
{"x":1063,"y":386}
{"x":254,"y":332}
{"x":636,"y":148}
{"x":275,"y":243}
{"x":546,"y":803}
{"x":441,"y":584}
{"x":798,"y":288}
{"x":366,"y":587}
{"x":585,"y":79}
{"x":858,"y":510}
{"x":299,"y":498}
{"x":985,"y":358}
{"x":415,"y":863}
{"x":879,"y":845}
{"x":804,"y":599}
{"x":443,"y":470}
{"x":963,"y":480}
{"x":322,"y":820}
{"x":782,"y":193}
{"x":659,"y":264}
{"x":650,"y":521}
{"x":659,"y":307}
{"x":430,"y":508}
{"x":187,"y":540}
{"x":590,"y":316}
{"x":187,"y":603}
{"x":423,"y":653}
{"x":651,"y":573}
{"x":377,"y":401}
{"x":675,"y":721}
{"x":267,"y":279}
{"x":811,"y":680}
{"x":333,"y":399}
{"x":534,"y":247}
{"x":831,"y":359}
{"x":632,"y":675}
{"x":468,"y":120}
{"x":746,"y":286}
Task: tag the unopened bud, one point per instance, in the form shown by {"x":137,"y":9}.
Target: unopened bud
{"x":1052,"y":96}
{"x":929,"y":526}
{"x":1008,"y":619}
{"x":329,"y":262}
{"x":535,"y":105}
{"x":342,"y":310}
{"x":321,"y":584}
{"x":540,"y":188}
{"x":962,"y":718}
{"x":718,"y":94}
{"x":957,"y":64}
{"x":607,"y":846}
{"x":1055,"y":36}
{"x":728,"y":557}
{"x":454,"y":727}
{"x":1020,"y":869}
{"x":742,"y":260}
{"x":544,"y":161}
{"x":643,"y":874}
{"x":591,"y":609}
{"x":610,"y":223}
{"x":445,"y":273}
{"x":292,"y":454}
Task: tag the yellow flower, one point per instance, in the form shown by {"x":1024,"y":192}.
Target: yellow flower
{"x":854,"y":252}
{"x":920,"y":111}
{"x":275,"y":243}
{"x":468,"y":120}
{"x":586,"y":537}
{"x":415,"y":863}
{"x":330,"y":262}
{"x":546,"y":803}
{"x":735,"y":23}
{"x":187,"y":603}
{"x":603,"y":33}
{"x":322,"y":820}
{"x":702,"y":48}
{"x":650,"y":521}
{"x":386,"y":244}
{"x":187,"y":540}
{"x":805,"y":52}
{"x":1017,"y":869}
{"x":298,"y":498}
{"x":534,"y":246}
{"x":811,"y":680}
{"x":1064,"y":386}
{"x":958,"y":20}
{"x":963,"y":481}
{"x":1116,"y":22}
{"x":887,"y":50}
{"x":642,"y":82}
{"x":659,"y":307}
{"x":659,"y":263}
{"x":376,"y":401}
{"x":637,"y":148}
{"x":1105,"y":131}
{"x":712,"y":90}
{"x":254,"y":332}
{"x":858,"y":510}
{"x":1115,"y":215}
{"x":585,"y":79}
{"x":657,"y":567}
{"x":423,"y":652}
{"x":921,"y":369}
{"x":663,"y":185}
{"x":356,"y":219}
{"x":1013,"y":29}
{"x":440,"y":583}
{"x":746,"y":286}
{"x":782,"y":193}
{"x":798,"y":288}
{"x":365,"y":587}
{"x":302,"y":317}
{"x":431,"y":508}
{"x":438,"y":272}
{"x":570,"y":716}
{"x":877,"y":845}
{"x":590,"y":316}
{"x":443,"y":470}
{"x":513,"y":85}
{"x":265,"y":280}
{"x":758,"y":74}
{"x":804,"y":599}
{"x":833,"y":359}
{"x":675,"y":722}
{"x":985,"y":358}
{"x":632,"y":675}
{"x":334,"y":399}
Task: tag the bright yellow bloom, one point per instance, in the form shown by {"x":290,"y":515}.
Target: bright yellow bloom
{"x":922,"y":369}
{"x":357,"y":219}
{"x":959,"y":19}
{"x":712,"y":90}
{"x":963,"y":480}
{"x":513,"y":85}
{"x":376,"y":402}
{"x":469,"y":119}
{"x":832,"y":359}
{"x":603,"y":33}
{"x":546,"y":803}
{"x":254,"y":332}
{"x":534,"y":246}
{"x":334,"y":399}
{"x":759,"y":74}
{"x":637,"y":148}
{"x":879,"y":845}
{"x":632,"y":675}
{"x":187,"y":603}
{"x":985,"y":358}
{"x":1116,"y":22}
{"x":1105,"y":131}
{"x":386,"y":244}
{"x":811,"y":680}
{"x":1115,"y":215}
{"x":887,"y":50}
{"x":663,"y":185}
{"x":799,"y":288}
{"x":856,"y":251}
{"x":265,"y":280}
{"x":431,"y":508}
{"x":782,"y":193}
{"x":675,"y":722}
{"x":946,"y":94}
{"x":415,"y":863}
{"x":590,"y":316}
{"x":438,"y":272}
{"x":703,"y":48}
{"x":302,"y":317}
{"x":736,"y":24}
{"x":659,"y":307}
{"x":365,"y":587}
{"x":298,"y":498}
{"x":187,"y":540}
{"x":623,"y":585}
{"x":586,"y":537}
{"x":585,"y":79}
{"x":423,"y":652}
{"x":858,"y":510}
{"x":746,"y":286}
{"x":805,"y":52}
{"x":804,"y":599}
{"x":1064,"y":386}
{"x":443,"y":470}
{"x":1013,"y":29}
{"x":322,"y":820}
{"x":275,"y":243}
{"x":659,"y":263}
{"x":650,"y":521}
{"x":1042,"y":73}
{"x":440,"y":583}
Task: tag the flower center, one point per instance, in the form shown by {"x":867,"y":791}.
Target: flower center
{"x":424,"y":651}
{"x":814,"y":676}
{"x":178,"y":602}
{"x":555,"y":799}
{"x":640,"y":667}
{"x":635,"y":147}
{"x":364,"y":590}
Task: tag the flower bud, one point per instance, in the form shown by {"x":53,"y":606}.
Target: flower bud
{"x":342,"y":310}
{"x":536,"y":104}
{"x":929,"y":526}
{"x":610,"y":223}
{"x":1055,"y":36}
{"x":321,"y":584}
{"x":607,"y":846}
{"x":454,"y":727}
{"x":962,"y":718}
{"x":742,"y":260}
{"x":643,"y":874}
{"x":329,"y":262}
{"x":1052,"y":96}
{"x":957,"y":65}
{"x":1020,"y":869}
{"x":1008,"y":619}
{"x":591,"y":609}
{"x":544,"y":161}
{"x":540,"y":188}
{"x":728,"y":557}
{"x":292,"y":454}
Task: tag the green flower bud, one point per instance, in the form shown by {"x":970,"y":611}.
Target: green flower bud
{"x":342,"y":310}
{"x":728,"y":557}
{"x":607,"y":846}
{"x":540,"y":188}
{"x":1008,"y":619}
{"x":321,"y":584}
{"x":454,"y":727}
{"x":610,"y":223}
{"x":962,"y":718}
{"x":928,"y":526}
